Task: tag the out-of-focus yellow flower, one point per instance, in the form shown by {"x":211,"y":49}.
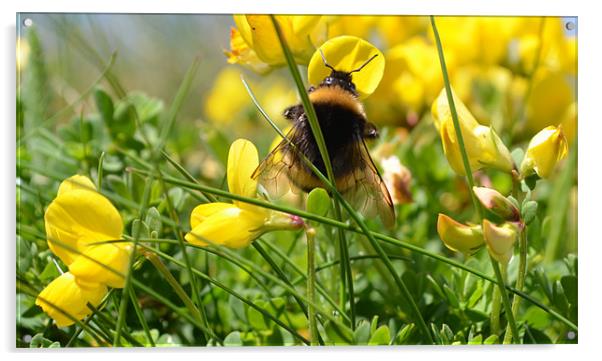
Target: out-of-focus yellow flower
{"x":497,"y":203}
{"x":483,"y":146}
{"x":227,"y":98}
{"x":551,"y":96}
{"x":569,"y":123}
{"x":237,"y":225}
{"x":347,"y":53}
{"x":500,"y":240}
{"x":22,"y":53}
{"x":556,"y":50}
{"x":459,"y":237}
{"x":78,"y":218}
{"x":260,"y":46}
{"x":546,"y":149}
{"x":67,"y":295}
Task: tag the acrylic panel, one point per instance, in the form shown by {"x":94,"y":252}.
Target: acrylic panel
{"x":255,"y":180}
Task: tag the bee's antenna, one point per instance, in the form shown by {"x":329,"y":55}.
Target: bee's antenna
{"x":363,"y":65}
{"x":324,"y":60}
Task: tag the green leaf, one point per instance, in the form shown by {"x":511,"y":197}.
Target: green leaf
{"x":451,"y":296}
{"x":529,"y":211}
{"x":517,"y":156}
{"x":104,"y":104}
{"x":490,"y":340}
{"x":381,"y":336}
{"x":362,"y":333}
{"x":477,"y":340}
{"x":569,"y":283}
{"x":140,"y":229}
{"x":404,"y":334}
{"x":39,"y":341}
{"x":318,"y":202}
{"x":233,"y":339}
{"x":153,"y":220}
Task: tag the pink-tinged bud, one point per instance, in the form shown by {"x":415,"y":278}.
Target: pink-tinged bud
{"x":283,"y":221}
{"x":459,"y":237}
{"x":497,"y":203}
{"x":500,"y":240}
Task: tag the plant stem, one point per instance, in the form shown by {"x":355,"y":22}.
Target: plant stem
{"x":468,"y":171}
{"x":520,"y":281}
{"x":496,"y":306}
{"x":311,"y":284}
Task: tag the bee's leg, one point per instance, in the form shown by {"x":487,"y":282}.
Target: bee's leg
{"x":293,"y":112}
{"x":370,"y":131}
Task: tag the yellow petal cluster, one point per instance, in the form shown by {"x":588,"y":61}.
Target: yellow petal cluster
{"x":347,"y":53}
{"x":238,"y":224}
{"x":546,"y":149}
{"x":254,"y":42}
{"x":483,"y":146}
{"x":77,"y":223}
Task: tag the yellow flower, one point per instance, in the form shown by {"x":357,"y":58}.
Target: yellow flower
{"x":551,"y":97}
{"x":459,"y":237}
{"x":237,"y":225}
{"x":78,"y":218}
{"x":227,"y":98}
{"x":483,"y":146}
{"x":546,"y":149}
{"x":500,"y":240}
{"x":66,"y":294}
{"x":255,"y":42}
{"x":347,"y":53}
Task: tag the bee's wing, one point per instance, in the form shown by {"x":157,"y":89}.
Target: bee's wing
{"x":364,"y":188}
{"x":272,"y":172}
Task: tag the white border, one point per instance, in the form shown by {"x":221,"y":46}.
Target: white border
{"x":590,"y":180}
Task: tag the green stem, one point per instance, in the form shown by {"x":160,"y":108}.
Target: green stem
{"x":520,"y":281}
{"x":311,"y":284}
{"x":468,"y":171}
{"x":496,"y":306}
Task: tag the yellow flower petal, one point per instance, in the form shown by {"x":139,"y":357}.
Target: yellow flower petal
{"x":457,"y":236}
{"x":242,"y":162}
{"x":500,"y":240}
{"x":347,"y":53}
{"x":241,"y":53}
{"x":78,"y":217}
{"x":66,"y":295}
{"x":231,"y":227}
{"x":104,"y":263}
{"x":204,"y":211}
{"x":76,"y":182}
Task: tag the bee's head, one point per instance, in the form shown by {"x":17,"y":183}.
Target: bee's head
{"x":342,"y":79}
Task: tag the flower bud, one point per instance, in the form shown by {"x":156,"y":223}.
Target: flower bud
{"x":457,"y":236}
{"x":497,"y":203}
{"x":500,"y":240}
{"x":546,"y":149}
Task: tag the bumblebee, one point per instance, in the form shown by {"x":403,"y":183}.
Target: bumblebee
{"x":345,"y":128}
